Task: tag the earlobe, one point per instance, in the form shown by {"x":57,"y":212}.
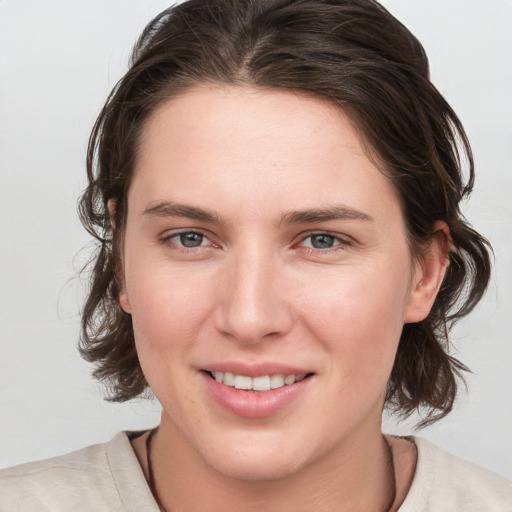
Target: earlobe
{"x":124,"y":301}
{"x":429,"y":275}
{"x":111,"y":208}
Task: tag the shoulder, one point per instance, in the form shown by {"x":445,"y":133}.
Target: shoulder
{"x":94,"y":478}
{"x":444,"y":482}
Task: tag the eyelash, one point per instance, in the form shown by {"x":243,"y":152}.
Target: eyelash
{"x":168,"y":239}
{"x":339,"y":243}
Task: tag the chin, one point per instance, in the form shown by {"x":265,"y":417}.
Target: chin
{"x":250,"y":470}
{"x":252,"y":464}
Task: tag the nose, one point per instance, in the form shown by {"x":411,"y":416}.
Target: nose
{"x":253,"y":306}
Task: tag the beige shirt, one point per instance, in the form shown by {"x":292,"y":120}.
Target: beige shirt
{"x":107,"y":477}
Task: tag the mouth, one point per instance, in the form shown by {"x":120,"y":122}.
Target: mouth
{"x":258,"y":384}
{"x":256,"y":391}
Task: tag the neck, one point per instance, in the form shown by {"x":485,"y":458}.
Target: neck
{"x":357,"y":476}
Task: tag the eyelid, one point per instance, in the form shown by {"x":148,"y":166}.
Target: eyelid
{"x":169,"y":235}
{"x":342,"y":240}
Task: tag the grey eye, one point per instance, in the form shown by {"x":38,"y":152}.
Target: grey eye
{"x":322,"y":241}
{"x":191,"y":239}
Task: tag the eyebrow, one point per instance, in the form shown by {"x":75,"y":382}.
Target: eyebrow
{"x":171,"y":209}
{"x":315,"y":215}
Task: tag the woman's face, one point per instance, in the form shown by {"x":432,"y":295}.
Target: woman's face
{"x":262,"y":243}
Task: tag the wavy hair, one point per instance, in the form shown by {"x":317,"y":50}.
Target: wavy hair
{"x":353,"y":52}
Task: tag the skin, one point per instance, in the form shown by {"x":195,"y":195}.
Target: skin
{"x":259,"y":288}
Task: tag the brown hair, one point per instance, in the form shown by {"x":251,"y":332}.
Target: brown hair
{"x":353,"y":52}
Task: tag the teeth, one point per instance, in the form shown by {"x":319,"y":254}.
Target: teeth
{"x":229,"y":379}
{"x":242,"y":382}
{"x":289,"y":379}
{"x":262,"y":383}
{"x":276,"y":381}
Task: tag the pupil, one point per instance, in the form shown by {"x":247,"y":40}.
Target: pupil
{"x":191,"y":239}
{"x":322,"y":241}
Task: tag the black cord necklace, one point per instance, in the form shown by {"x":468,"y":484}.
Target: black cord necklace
{"x":151,"y":480}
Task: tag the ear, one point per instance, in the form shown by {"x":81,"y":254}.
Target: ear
{"x":429,"y":274}
{"x":124,"y":301}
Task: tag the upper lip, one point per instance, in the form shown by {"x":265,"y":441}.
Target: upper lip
{"x":256,"y":369}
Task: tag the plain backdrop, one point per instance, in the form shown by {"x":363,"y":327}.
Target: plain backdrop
{"x":58,"y":61}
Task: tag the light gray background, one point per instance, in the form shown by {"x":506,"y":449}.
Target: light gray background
{"x":58,"y":61}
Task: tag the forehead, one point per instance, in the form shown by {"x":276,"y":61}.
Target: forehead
{"x":254,"y":150}
{"x":252,"y":120}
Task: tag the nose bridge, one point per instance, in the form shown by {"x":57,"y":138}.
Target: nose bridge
{"x":252,"y":304}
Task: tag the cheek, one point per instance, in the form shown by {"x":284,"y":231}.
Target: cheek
{"x":169,"y":309}
{"x":168,"y":318}
{"x":358,"y":317}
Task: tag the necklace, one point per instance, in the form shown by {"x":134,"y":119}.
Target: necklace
{"x":151,"y":479}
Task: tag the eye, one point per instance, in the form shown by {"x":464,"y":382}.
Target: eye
{"x":323,"y":241}
{"x":186,"y":239}
{"x":190,"y":239}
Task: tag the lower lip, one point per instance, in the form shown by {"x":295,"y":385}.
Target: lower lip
{"x":255,"y":404}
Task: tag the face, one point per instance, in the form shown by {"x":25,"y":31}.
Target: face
{"x":268,"y":275}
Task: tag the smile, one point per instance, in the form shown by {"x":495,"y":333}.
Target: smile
{"x":260,"y":383}
{"x":263,"y":393}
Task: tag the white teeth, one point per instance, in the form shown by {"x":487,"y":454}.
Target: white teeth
{"x":262,"y":383}
{"x":289,"y":379}
{"x":276,"y":381}
{"x":229,"y":379}
{"x":242,"y":382}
